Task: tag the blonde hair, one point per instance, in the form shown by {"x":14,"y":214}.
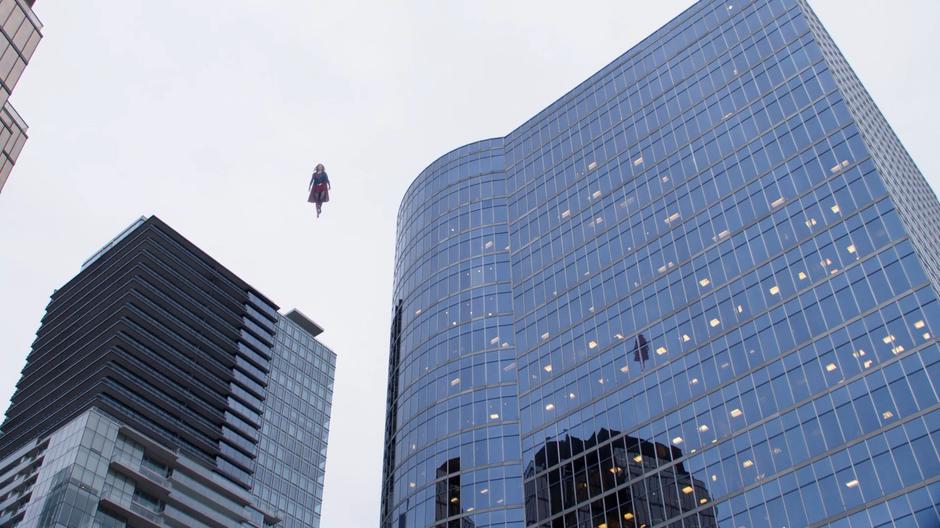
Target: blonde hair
{"x":319,"y":166}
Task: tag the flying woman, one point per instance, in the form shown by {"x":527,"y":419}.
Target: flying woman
{"x":319,"y":187}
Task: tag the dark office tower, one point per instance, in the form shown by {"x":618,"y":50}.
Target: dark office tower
{"x":294,"y":429}
{"x":19,"y":36}
{"x":716,"y":306}
{"x":193,"y":372}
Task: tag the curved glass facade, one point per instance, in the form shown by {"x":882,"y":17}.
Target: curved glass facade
{"x":454,"y":453}
{"x":720,"y":276}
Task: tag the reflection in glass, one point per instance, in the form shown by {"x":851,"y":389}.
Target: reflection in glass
{"x":447,"y":495}
{"x":604,"y":479}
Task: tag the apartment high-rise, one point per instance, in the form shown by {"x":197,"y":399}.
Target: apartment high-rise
{"x":20,"y":32}
{"x":700,"y":289}
{"x":172,"y":359}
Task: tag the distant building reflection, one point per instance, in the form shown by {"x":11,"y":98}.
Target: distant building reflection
{"x":613,"y":486}
{"x":447,"y":502}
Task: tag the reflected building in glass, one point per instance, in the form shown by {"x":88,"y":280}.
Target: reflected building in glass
{"x":448,"y":494}
{"x":622,"y":459}
{"x":700,"y":289}
{"x":163,"y":390}
{"x":20,"y":32}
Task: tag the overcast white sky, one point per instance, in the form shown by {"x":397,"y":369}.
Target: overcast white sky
{"x":212,"y":115}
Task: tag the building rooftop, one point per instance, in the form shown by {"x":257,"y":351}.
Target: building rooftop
{"x":305,"y":322}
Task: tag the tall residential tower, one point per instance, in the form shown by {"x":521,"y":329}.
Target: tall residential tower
{"x":162,"y":387}
{"x":700,"y":289}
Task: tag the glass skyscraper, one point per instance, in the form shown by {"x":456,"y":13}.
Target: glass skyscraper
{"x":698,"y":290}
{"x":163,"y":390}
{"x":20,"y":32}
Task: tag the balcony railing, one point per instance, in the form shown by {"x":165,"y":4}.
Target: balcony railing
{"x":146,"y":512}
{"x":134,"y":464}
{"x":129,"y":506}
